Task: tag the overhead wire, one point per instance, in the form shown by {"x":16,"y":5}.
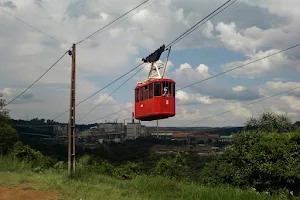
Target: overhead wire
{"x":193,"y":28}
{"x":110,"y":94}
{"x":111,"y":114}
{"x":243,"y":65}
{"x":94,"y":33}
{"x":118,"y":77}
{"x":254,"y":102}
{"x":113,"y":93}
{"x":52,"y":37}
{"x":142,"y":63}
{"x":98,"y":91}
{"x":190,"y":29}
{"x":37,"y":79}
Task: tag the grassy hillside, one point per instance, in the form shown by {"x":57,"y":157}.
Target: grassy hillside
{"x":94,"y":186}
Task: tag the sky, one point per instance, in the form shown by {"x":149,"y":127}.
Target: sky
{"x":245,"y":31}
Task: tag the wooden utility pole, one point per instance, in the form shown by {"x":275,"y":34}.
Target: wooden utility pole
{"x":71,"y":128}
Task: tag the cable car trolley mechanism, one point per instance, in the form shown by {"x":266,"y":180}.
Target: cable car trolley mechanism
{"x":155,"y":97}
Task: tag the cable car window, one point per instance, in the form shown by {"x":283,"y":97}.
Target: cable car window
{"x":141,"y":93}
{"x":174,"y":91}
{"x":150,"y":90}
{"x":136,"y":95}
{"x":157,"y":89}
{"x":146,"y":92}
{"x":166,"y":88}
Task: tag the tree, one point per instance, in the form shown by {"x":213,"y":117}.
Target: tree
{"x":8,"y":135}
{"x":269,"y":122}
{"x":4,"y":113}
{"x":260,"y":159}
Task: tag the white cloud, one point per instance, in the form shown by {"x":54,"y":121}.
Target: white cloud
{"x":26,"y":54}
{"x":241,"y":112}
{"x":104,"y":99}
{"x":238,"y":88}
{"x":292,"y":102}
{"x":274,"y":65}
{"x":190,"y":99}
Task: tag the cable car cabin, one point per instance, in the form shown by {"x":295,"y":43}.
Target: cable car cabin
{"x":155,"y":99}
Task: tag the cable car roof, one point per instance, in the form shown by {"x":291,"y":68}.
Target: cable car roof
{"x":146,"y":82}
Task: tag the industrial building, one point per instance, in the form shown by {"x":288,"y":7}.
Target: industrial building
{"x":135,"y":130}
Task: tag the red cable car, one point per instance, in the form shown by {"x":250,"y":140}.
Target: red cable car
{"x":155,"y":97}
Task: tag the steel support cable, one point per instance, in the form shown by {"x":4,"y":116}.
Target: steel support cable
{"x":99,"y":91}
{"x":129,"y":71}
{"x":254,"y":102}
{"x":37,"y":79}
{"x":111,"y":114}
{"x":94,"y":33}
{"x":142,"y":63}
{"x":196,"y":25}
{"x":31,"y":26}
{"x":110,"y":94}
{"x":297,"y":45}
{"x":200,"y":24}
{"x":117,"y":90}
{"x":193,"y":27}
{"x":114,"y":80}
{"x":243,"y":65}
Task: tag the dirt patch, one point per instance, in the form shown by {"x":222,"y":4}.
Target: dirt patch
{"x":27,"y":192}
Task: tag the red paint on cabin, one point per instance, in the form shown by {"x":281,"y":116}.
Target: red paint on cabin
{"x":153,"y":102}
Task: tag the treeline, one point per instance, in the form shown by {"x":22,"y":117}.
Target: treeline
{"x":264,"y":156}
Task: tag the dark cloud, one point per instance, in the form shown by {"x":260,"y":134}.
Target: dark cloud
{"x":8,"y":4}
{"x":242,"y":14}
{"x":27,"y":98}
{"x":80,"y":8}
{"x":39,"y":3}
{"x":245,"y":16}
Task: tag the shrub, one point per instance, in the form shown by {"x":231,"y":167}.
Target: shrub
{"x":172,"y":167}
{"x":265,"y":161}
{"x":36,"y":158}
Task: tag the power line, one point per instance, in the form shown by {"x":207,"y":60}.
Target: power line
{"x":112,"y":22}
{"x":99,"y":90}
{"x":239,"y":66}
{"x":113,"y":93}
{"x":112,"y":114}
{"x":110,"y":95}
{"x":254,"y":102}
{"x":181,"y":36}
{"x":227,"y":71}
{"x":31,"y":26}
{"x":37,"y":79}
{"x":195,"y":26}
{"x":114,"y":80}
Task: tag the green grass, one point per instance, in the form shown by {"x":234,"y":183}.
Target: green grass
{"x":93,"y":186}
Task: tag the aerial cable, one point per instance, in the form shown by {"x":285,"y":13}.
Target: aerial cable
{"x":243,"y":65}
{"x":297,"y":45}
{"x":99,"y":91}
{"x":254,"y":102}
{"x":131,"y":69}
{"x":110,"y":94}
{"x":112,"y":22}
{"x":37,"y":79}
{"x":203,"y":22}
{"x":111,"y":114}
{"x":31,"y":26}
{"x":195,"y":26}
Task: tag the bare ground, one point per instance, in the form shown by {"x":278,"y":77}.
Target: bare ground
{"x":27,"y":192}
